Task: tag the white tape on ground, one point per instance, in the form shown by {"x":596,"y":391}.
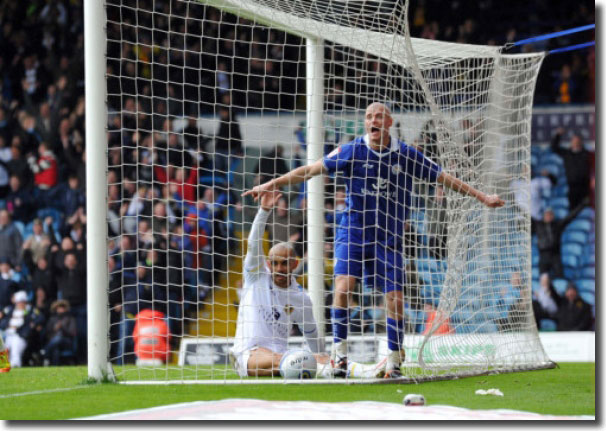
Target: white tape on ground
{"x":247,"y":409}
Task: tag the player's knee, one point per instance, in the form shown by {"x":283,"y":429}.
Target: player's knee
{"x":395,"y":301}
{"x":344,"y":284}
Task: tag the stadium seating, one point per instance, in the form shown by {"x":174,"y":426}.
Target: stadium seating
{"x":587,"y":272}
{"x":571,"y":260}
{"x":587,"y":213}
{"x":560,"y":191}
{"x":549,"y":158}
{"x":575,"y":236}
{"x":570,"y":272}
{"x":20,"y":227}
{"x":588,"y":259}
{"x":588,"y":297}
{"x":572,"y":248}
{"x":558,"y":203}
{"x":559,"y":284}
{"x":547,"y":325}
{"x":585,"y":285}
{"x":581,"y":224}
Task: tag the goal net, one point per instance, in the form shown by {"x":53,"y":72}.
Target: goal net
{"x":208,"y":98}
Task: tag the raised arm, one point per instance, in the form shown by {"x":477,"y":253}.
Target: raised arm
{"x":255,"y":255}
{"x":453,"y":183}
{"x":556,"y":140}
{"x":296,"y":176}
{"x":308,"y":327}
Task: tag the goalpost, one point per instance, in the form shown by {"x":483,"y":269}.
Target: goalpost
{"x":198,"y":95}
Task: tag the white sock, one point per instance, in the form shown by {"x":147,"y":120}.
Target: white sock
{"x":339,"y":349}
{"x":394,"y":359}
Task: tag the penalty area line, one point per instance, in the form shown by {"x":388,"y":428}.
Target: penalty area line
{"x":44,"y":391}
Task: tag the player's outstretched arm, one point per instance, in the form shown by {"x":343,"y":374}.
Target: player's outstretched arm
{"x":296,"y":176}
{"x":255,"y":256}
{"x":453,"y":183}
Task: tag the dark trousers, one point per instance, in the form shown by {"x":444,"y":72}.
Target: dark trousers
{"x":57,"y":345}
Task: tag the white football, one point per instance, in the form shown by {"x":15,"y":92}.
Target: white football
{"x":298,"y":364}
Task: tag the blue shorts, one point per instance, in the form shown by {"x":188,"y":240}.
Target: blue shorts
{"x":359,"y":252}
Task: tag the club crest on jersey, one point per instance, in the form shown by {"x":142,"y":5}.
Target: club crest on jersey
{"x":380,"y":184}
{"x":288,"y":309}
{"x":396,"y":169}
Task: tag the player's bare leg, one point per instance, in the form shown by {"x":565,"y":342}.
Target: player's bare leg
{"x":344,"y":285}
{"x":263,"y":363}
{"x":395,"y":316}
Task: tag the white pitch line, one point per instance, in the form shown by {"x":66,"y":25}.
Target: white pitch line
{"x":46,"y":391}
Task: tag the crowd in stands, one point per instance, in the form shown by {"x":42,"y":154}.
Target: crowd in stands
{"x":171,"y":201}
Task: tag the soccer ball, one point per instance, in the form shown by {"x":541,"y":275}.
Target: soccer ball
{"x":298,"y":364}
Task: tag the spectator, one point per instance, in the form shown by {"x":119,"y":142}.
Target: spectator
{"x":540,"y":191}
{"x":15,"y":324}
{"x":436,"y":219}
{"x":565,"y":86}
{"x":545,"y":301}
{"x":45,"y":123}
{"x":574,"y":314}
{"x":518,"y":318}
{"x":72,"y":199}
{"x":43,"y":279}
{"x":272,"y":165}
{"x":9,"y":283}
{"x":37,"y":323}
{"x":18,"y":165}
{"x":285,"y":225}
{"x":71,"y":283}
{"x":228,"y":141}
{"x":46,"y":173}
{"x":19,"y":202}
{"x":576,"y":166}
{"x":73,"y":150}
{"x":549,"y":232}
{"x":37,"y":245}
{"x":11,"y":241}
{"x":61,"y":332}
{"x":5,"y":157}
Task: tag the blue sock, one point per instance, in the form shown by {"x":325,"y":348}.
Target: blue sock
{"x":339,"y":319}
{"x":394,"y":334}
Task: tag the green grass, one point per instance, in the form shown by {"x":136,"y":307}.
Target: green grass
{"x":545,"y":391}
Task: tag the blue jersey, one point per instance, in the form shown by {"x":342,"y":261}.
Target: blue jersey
{"x":379,"y":184}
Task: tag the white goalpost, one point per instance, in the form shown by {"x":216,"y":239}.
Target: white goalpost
{"x":190,"y":103}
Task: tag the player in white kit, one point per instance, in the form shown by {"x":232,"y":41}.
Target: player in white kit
{"x":272,"y":302}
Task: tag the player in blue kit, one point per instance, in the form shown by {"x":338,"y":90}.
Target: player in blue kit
{"x":378,"y":171}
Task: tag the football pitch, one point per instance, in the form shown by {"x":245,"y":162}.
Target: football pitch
{"x":64,"y":393}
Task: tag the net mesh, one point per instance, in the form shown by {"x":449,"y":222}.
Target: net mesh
{"x":207,"y":99}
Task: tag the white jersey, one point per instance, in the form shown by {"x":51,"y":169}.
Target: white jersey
{"x":267,"y":312}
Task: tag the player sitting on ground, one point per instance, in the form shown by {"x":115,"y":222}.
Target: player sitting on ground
{"x":378,"y":171}
{"x":272,"y":301}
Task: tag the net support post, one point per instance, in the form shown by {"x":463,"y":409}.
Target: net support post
{"x":315,"y":186}
{"x":96,"y":189}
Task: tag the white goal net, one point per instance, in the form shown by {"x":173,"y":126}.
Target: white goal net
{"x":207,"y":99}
